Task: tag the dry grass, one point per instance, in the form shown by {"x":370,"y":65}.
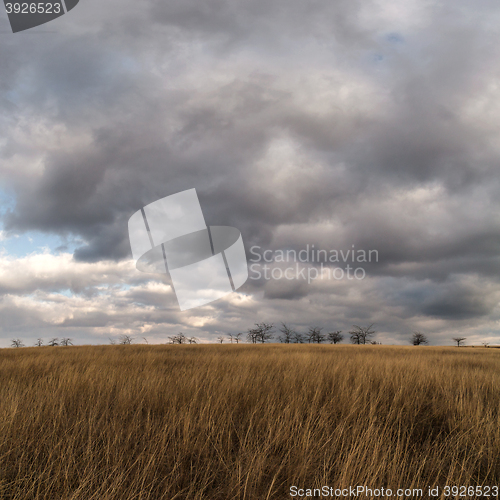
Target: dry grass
{"x":242,"y":421}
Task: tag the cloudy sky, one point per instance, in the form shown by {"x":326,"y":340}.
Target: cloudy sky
{"x":371,"y":123}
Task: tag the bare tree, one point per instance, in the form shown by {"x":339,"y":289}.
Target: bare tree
{"x":265,"y":332}
{"x":252,"y":335}
{"x":234,"y":337}
{"x":54,"y":342}
{"x":459,"y":340}
{"x":145,"y":340}
{"x":125,"y":340}
{"x":178,"y":339}
{"x":287,"y":334}
{"x":335,"y":337}
{"x":39,"y":343}
{"x":220,"y":339}
{"x":298,"y":338}
{"x":16,"y":343}
{"x":112,"y":341}
{"x":361,"y":335}
{"x":192,"y":340}
{"x":66,"y":342}
{"x":418,"y":338}
{"x":261,"y":333}
{"x":485,"y":344}
{"x":315,"y":336}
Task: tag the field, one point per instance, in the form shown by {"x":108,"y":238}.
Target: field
{"x":244,"y":421}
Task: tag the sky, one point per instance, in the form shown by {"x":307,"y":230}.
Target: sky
{"x":366,"y":125}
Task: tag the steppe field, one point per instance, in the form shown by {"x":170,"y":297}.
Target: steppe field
{"x":245,"y":421}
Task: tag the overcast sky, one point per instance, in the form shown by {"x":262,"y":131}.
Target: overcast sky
{"x":366,"y":123}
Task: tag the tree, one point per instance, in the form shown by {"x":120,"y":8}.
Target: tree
{"x":220,"y":339}
{"x":178,"y":339}
{"x":39,"y":343}
{"x":315,"y":336}
{"x":17,"y":343}
{"x":298,"y":338}
{"x":192,"y":340}
{"x":66,"y":342}
{"x":54,"y":342}
{"x":288,"y":334}
{"x":419,"y":338}
{"x":361,"y":335}
{"x":335,"y":337}
{"x":112,"y":341}
{"x":145,"y":340}
{"x":485,"y":344}
{"x":261,"y":333}
{"x":252,"y":335}
{"x":234,"y":337}
{"x":459,"y":340}
{"x":265,"y":332}
{"x":125,"y":340}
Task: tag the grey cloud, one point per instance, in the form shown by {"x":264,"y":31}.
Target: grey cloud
{"x":283,"y":289}
{"x":458,"y":305}
{"x":271,"y":19}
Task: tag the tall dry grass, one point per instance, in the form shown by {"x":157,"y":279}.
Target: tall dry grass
{"x":244,"y":421}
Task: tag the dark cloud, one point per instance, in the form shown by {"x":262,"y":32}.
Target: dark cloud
{"x":458,"y":305}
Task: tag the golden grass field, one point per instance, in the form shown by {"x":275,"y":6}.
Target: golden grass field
{"x":244,"y":421}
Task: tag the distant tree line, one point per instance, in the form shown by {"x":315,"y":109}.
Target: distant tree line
{"x":39,"y":342}
{"x":265,"y":332}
